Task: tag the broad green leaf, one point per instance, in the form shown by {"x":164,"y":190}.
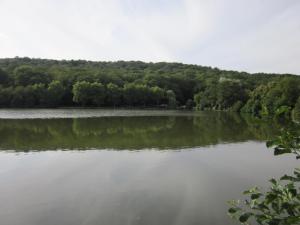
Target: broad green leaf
{"x":244,"y":217}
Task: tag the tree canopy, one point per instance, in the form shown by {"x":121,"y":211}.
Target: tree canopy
{"x":26,"y":82}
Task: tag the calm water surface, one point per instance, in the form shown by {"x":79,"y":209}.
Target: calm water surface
{"x":121,"y":167}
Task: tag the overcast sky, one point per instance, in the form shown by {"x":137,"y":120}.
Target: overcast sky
{"x":253,"y":35}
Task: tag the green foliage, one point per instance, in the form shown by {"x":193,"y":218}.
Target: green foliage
{"x":221,"y":95}
{"x":135,"y":94}
{"x":157,"y":95}
{"x":296,"y":111}
{"x":27,"y":75}
{"x":207,"y":99}
{"x":55,"y":93}
{"x":22,"y":97}
{"x":228,"y":93}
{"x":145,"y":84}
{"x":172,"y":103}
{"x":89,"y":94}
{"x":280,"y":205}
{"x":283,"y":111}
{"x":277,"y":98}
{"x":142,"y":95}
{"x":3,"y":77}
{"x":290,"y":91}
{"x":198,"y":101}
{"x":114,"y":95}
{"x":5,"y":96}
{"x":285,"y":143}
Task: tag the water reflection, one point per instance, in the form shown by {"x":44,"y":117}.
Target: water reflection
{"x":132,"y":187}
{"x":133,"y":133}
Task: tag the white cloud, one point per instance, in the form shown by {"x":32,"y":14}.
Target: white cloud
{"x":3,"y":36}
{"x":253,"y":36}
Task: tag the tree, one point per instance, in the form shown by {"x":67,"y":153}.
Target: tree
{"x":276,"y":98}
{"x":55,"y":93}
{"x":40,"y":93}
{"x":97,"y":93}
{"x":80,"y":93}
{"x":18,"y":97}
{"x":228,"y":93}
{"x":130,"y":94}
{"x":145,"y":84}
{"x":157,"y":95}
{"x":86,"y":93}
{"x":296,"y":111}
{"x":136,"y":94}
{"x":3,"y":77}
{"x":197,"y":100}
{"x":290,"y":91}
{"x":26,"y":75}
{"x":271,"y":101}
{"x":171,"y":99}
{"x":5,"y":96}
{"x":113,"y":94}
{"x":207,"y":98}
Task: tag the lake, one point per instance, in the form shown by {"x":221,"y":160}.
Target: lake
{"x":130,"y":167}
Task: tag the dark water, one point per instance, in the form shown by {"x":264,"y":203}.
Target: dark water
{"x":90,"y":167}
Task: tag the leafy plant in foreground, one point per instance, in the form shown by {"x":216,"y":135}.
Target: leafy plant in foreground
{"x":286,"y":143}
{"x":280,"y":205}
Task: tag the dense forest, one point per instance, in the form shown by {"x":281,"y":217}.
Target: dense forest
{"x":26,"y":82}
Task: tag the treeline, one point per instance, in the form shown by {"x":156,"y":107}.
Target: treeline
{"x":26,"y":82}
{"x":279,"y":97}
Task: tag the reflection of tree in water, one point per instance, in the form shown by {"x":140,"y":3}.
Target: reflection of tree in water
{"x":161,"y":132}
{"x":121,"y":125}
{"x":267,"y":128}
{"x":220,"y":127}
{"x":232,"y":127}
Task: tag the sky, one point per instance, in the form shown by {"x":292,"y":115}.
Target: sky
{"x":252,"y":36}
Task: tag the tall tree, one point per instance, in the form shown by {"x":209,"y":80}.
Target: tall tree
{"x":55,"y":93}
{"x":26,"y":75}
